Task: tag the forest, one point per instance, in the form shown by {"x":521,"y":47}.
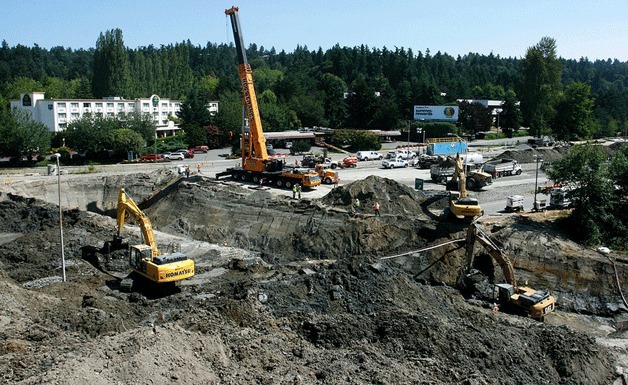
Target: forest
{"x":342,"y":87}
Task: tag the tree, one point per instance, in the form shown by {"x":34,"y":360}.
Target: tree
{"x":21,"y":135}
{"x":123,"y":140}
{"x":474,"y":117}
{"x":598,"y":212}
{"x":510,"y":117}
{"x":111,"y":66}
{"x":574,"y":113}
{"x":541,"y":81}
{"x":194,"y":116}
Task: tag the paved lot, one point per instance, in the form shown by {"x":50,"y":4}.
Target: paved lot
{"x":492,"y":199}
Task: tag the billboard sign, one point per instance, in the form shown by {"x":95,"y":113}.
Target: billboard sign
{"x":443,"y":113}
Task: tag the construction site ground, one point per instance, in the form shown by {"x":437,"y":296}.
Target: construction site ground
{"x":291,"y":291}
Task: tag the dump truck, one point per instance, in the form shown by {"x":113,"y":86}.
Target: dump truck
{"x":327,"y":175}
{"x":445,"y":169}
{"x":502,"y":167}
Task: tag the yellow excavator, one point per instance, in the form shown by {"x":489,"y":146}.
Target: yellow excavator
{"x":145,"y":259}
{"x":524,"y":300}
{"x":460,"y":205}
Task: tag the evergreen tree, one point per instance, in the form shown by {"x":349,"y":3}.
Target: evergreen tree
{"x":541,"y":82}
{"x":111,"y":68}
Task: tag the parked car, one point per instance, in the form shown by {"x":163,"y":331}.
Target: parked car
{"x":186,"y":153}
{"x":203,"y":149}
{"x":178,"y":155}
{"x":151,"y":157}
{"x":165,"y":155}
{"x":369,"y":155}
{"x":393,"y":163}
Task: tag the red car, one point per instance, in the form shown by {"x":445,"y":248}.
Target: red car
{"x":151,"y":157}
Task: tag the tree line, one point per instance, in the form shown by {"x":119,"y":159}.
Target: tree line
{"x":342,"y":87}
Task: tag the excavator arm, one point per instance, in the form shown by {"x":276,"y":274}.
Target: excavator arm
{"x":256,"y":143}
{"x":125,"y":203}
{"x":476,"y":234}
{"x":460,"y":176}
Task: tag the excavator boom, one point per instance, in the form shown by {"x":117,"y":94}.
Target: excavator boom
{"x":125,"y":203}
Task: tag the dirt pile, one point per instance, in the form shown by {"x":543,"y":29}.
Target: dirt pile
{"x":305,"y":300}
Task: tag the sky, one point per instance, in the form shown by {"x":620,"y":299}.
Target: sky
{"x":595,"y":29}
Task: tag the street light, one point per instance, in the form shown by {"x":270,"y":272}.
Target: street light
{"x":57,"y":155}
{"x":535,"y":205}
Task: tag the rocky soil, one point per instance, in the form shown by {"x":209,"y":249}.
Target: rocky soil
{"x":296,"y":292}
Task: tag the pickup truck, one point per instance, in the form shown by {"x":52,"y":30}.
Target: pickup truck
{"x":502,"y":167}
{"x":404,"y":154}
{"x":394,"y":163}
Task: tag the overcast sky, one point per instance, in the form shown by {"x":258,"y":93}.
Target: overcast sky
{"x":581,"y":28}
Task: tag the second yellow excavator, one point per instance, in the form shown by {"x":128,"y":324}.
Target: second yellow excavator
{"x":460,"y":205}
{"x":521,"y":299}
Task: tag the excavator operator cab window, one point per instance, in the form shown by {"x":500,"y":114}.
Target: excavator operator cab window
{"x":137,"y":255}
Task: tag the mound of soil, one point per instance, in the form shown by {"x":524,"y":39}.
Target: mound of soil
{"x":305,"y":300}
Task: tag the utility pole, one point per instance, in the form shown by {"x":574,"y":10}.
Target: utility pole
{"x":57,"y":155}
{"x":535,"y":205}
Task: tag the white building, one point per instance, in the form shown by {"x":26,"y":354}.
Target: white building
{"x":56,"y":114}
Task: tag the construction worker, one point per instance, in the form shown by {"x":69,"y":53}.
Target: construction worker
{"x":198,"y":168}
{"x":299,"y":190}
{"x":294,"y":191}
{"x":356,"y":205}
{"x":187,"y":172}
{"x":336,"y":181}
{"x":376,"y":209}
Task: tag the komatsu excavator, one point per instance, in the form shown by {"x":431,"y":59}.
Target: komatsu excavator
{"x":145,"y":259}
{"x":524,"y":300}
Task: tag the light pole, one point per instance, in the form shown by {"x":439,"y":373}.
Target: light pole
{"x":409,"y":128}
{"x":536,"y":182}
{"x":57,"y":155}
{"x":155,"y":143}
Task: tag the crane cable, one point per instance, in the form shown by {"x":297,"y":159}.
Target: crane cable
{"x":617,"y":279}
{"x":424,"y":249}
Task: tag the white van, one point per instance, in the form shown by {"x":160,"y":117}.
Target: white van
{"x":369,"y":155}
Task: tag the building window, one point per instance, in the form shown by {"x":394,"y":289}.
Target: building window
{"x":61,"y":104}
{"x":110,"y":105}
{"x":145,"y":105}
{"x":74,"y":105}
{"x":75,"y":115}
{"x":62,"y":116}
{"x":98,"y":105}
{"x":63,"y":126}
{"x":87,"y":105}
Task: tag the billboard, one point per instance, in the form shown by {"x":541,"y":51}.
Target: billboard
{"x":444,"y":113}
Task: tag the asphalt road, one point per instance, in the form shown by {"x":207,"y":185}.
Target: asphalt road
{"x":492,"y":198}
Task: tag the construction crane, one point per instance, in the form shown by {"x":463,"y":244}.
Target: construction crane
{"x":460,"y":205}
{"x":257,"y":165}
{"x":145,"y":259}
